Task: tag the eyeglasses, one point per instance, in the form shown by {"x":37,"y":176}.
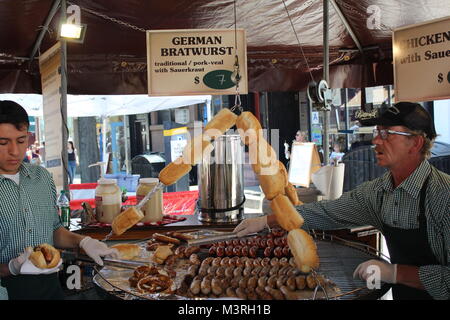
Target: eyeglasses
{"x":384,"y":133}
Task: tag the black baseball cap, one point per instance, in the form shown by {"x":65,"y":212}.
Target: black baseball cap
{"x":411,"y":115}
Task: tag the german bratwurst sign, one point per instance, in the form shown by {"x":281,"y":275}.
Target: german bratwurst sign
{"x":189,"y":62}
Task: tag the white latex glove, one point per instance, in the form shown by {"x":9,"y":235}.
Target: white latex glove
{"x":251,"y":225}
{"x":97,"y":249}
{"x":286,"y":147}
{"x":388,"y":272}
{"x":15,"y":264}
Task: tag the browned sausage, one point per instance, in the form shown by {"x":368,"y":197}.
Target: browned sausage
{"x":286,"y":251}
{"x":257,"y":262}
{"x":212,"y":251}
{"x":255,"y":271}
{"x":233,"y":261}
{"x":290,"y":283}
{"x":264,"y":271}
{"x":247,"y":271}
{"x":229,"y":271}
{"x":253,"y":251}
{"x":230,"y":292}
{"x":205,"y":286}
{"x":237,"y":251}
{"x":195,"y":286}
{"x":281,"y":281}
{"x":192,"y":271}
{"x":224,"y":262}
{"x":241,"y":293}
{"x":300,"y":282}
{"x":220,"y":251}
{"x":191,"y":250}
{"x":262,"y":282}
{"x":274,"y":262}
{"x":194,"y":259}
{"x":238,"y":271}
{"x":244,"y":251}
{"x":216,"y":286}
{"x":265,"y":261}
{"x":262,"y":294}
{"x":284,"y":261}
{"x":252,"y":282}
{"x":278,"y":252}
{"x":275,"y":293}
{"x":164,"y":238}
{"x":229,"y":251}
{"x":216,"y":262}
{"x":272,"y":281}
{"x":268,"y":251}
{"x":274,"y":270}
{"x":249,"y":262}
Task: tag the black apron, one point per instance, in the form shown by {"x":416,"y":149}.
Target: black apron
{"x":410,"y":247}
{"x":34,"y":287}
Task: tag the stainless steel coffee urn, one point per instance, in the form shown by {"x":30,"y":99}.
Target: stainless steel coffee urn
{"x":221,"y":183}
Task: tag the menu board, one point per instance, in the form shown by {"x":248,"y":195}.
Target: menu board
{"x":304,"y":161}
{"x":49,"y":64}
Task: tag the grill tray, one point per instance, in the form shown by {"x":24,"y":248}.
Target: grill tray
{"x":338,"y":260}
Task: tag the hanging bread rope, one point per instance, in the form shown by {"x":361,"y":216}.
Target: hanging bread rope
{"x":271,"y":173}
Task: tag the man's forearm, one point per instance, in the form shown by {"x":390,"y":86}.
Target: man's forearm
{"x":4,"y":270}
{"x":64,"y":239}
{"x":409,"y":276}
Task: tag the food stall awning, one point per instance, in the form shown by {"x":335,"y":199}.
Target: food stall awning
{"x":107,"y":105}
{"x":112,"y":59}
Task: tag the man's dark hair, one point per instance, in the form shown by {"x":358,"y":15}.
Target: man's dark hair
{"x":13,"y":113}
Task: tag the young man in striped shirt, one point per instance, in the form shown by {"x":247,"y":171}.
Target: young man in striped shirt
{"x":28,"y":214}
{"x":410,"y":205}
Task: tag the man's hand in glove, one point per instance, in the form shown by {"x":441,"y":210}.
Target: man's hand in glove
{"x":96,"y":249}
{"x":15,"y":264}
{"x":251,"y":225}
{"x":387,"y":271}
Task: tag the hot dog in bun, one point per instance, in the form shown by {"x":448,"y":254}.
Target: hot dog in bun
{"x":45,"y":256}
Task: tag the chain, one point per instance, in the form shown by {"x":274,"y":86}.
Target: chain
{"x":104,"y":16}
{"x":296,"y":36}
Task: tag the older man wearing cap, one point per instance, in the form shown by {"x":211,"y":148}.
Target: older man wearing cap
{"x":410,"y":205}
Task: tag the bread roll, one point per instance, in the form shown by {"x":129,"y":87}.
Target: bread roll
{"x":161,"y":254}
{"x":272,"y":185}
{"x":127,"y":251}
{"x":263,"y":158}
{"x":249,"y":127}
{"x":283,"y":172}
{"x":174,"y":171}
{"x":291,"y":193}
{"x":195,"y":149}
{"x":285,"y":213}
{"x":220,"y":123}
{"x":45,"y":256}
{"x":304,"y":250}
{"x":126,"y":220}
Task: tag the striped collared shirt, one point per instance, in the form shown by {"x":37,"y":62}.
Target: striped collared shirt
{"x":28,"y":212}
{"x":376,"y":202}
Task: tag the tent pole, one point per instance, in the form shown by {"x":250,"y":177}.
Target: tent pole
{"x":44,"y":29}
{"x":326,"y":77}
{"x":64,"y":129}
